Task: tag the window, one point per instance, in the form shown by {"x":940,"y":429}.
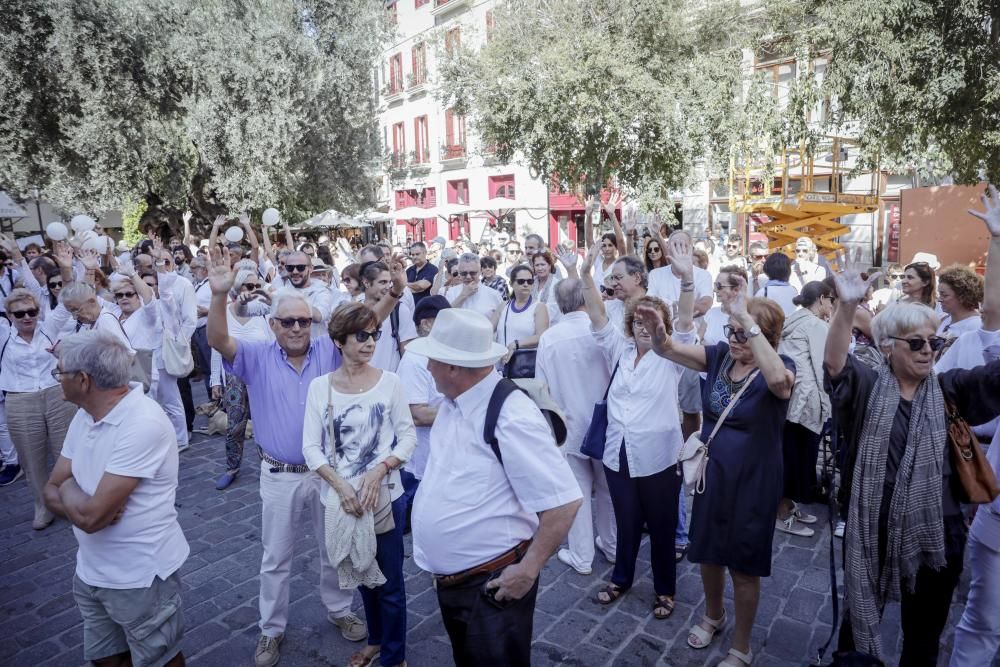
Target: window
{"x":417,"y":4}
{"x":454,"y":135}
{"x":458,"y":192}
{"x":501,"y":186}
{"x":430,"y":197}
{"x":421,"y":141}
{"x":418,"y":55}
{"x":489,"y":25}
{"x":393,"y":11}
{"x":398,"y":146}
{"x":452,"y":40}
{"x":395,"y":74}
{"x":781,"y":76}
{"x":405,"y":198}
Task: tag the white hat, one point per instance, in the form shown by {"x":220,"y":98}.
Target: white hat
{"x":931,"y":260}
{"x":460,"y":337}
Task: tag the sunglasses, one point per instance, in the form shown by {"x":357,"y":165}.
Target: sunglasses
{"x":739,"y":334}
{"x":20,"y":314}
{"x":289,"y":322}
{"x":756,"y":257}
{"x":55,"y":283}
{"x":801,"y":251}
{"x":607,"y":290}
{"x":917,"y":344}
{"x":363,"y":336}
{"x":897,"y":276}
{"x":654,"y":250}
{"x":719,"y":287}
{"x":734,"y":246}
{"x":124,"y":295}
{"x":297,"y":268}
{"x":249,"y":287}
{"x":513,"y":252}
{"x":524,"y":281}
{"x":162,"y":262}
{"x":468,"y":274}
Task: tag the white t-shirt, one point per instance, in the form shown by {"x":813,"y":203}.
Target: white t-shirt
{"x":484,"y":301}
{"x":419,"y":389}
{"x":781,"y":293}
{"x":715,"y":319}
{"x":665,"y":285}
{"x":386,"y":354}
{"x":955,"y":330}
{"x":135,"y":439}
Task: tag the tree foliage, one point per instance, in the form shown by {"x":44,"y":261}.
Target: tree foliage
{"x":210,"y":105}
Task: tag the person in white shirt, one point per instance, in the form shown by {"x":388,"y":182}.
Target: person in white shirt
{"x":734,"y":253}
{"x":471,"y":294}
{"x":484,"y":527}
{"x":628,"y":280}
{"x":116,"y":482}
{"x":203,"y":298}
{"x":777,"y":288}
{"x":643,"y":436}
{"x":805,"y":269}
{"x":321,"y":299}
{"x":521,"y":320}
{"x":356,"y":434}
{"x":81,"y":302}
{"x":573,"y":366}
{"x":665,"y":282}
{"x":397,"y":329}
{"x":37,"y":414}
{"x":959,"y":292}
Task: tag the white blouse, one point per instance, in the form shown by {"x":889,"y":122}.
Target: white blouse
{"x":27,"y":366}
{"x":642,"y":404}
{"x":513,"y":325}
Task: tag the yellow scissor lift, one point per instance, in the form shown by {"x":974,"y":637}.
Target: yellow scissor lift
{"x":806,"y":200}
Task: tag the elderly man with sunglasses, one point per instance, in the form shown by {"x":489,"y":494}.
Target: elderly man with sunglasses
{"x":277,"y":376}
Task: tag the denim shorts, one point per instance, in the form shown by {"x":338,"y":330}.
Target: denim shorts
{"x":146,"y":622}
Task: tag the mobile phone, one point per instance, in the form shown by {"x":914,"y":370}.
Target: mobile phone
{"x":491,"y":593}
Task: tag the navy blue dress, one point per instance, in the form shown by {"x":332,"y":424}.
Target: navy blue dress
{"x":732,"y":522}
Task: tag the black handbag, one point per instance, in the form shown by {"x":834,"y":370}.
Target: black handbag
{"x":521,"y":364}
{"x":597,"y":432}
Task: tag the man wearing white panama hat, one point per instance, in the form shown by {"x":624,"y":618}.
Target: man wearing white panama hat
{"x":485,"y":528}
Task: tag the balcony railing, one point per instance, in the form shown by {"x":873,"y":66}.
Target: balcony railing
{"x":396,"y":161}
{"x":415,"y":82}
{"x":393,"y":91}
{"x":453,"y":152}
{"x":445,"y":6}
{"x":420,"y":157}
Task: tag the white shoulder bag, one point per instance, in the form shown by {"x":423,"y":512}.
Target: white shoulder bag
{"x":693,"y":458}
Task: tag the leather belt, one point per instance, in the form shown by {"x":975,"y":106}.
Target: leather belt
{"x":281,"y":466}
{"x":503,"y":560}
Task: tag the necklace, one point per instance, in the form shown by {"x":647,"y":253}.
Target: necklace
{"x":513,"y":305}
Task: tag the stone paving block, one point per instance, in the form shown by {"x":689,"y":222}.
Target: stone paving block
{"x":544,"y":654}
{"x":49,"y":627}
{"x":38,"y":652}
{"x":570,"y":629}
{"x":241,"y":617}
{"x":803,"y":605}
{"x":788,"y":640}
{"x":614,"y":631}
{"x":642,"y":650}
{"x":588,"y":655}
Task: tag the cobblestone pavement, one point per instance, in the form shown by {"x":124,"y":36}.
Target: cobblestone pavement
{"x":41,"y":625}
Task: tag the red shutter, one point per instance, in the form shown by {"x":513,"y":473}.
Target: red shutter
{"x":430,"y":228}
{"x":449,"y":133}
{"x":430,"y":197}
{"x":416,"y":140}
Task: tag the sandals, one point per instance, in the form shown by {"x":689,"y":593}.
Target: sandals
{"x":703,"y":638}
{"x":743,"y":658}
{"x":680,"y":552}
{"x":663,"y":607}
{"x":360,"y":659}
{"x":611,"y":592}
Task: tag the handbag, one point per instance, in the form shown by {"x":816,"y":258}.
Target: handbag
{"x":141,"y":369}
{"x":597,"y":432}
{"x":978,"y":482}
{"x":693,"y":458}
{"x":177,"y":358}
{"x":521,"y":364}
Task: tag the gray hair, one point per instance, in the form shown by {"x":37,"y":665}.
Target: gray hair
{"x":77,"y":293}
{"x":569,"y":295}
{"x":902,"y":318}
{"x":247,"y":264}
{"x":469,"y":258}
{"x":100,"y":355}
{"x":537,"y":237}
{"x":20,"y":294}
{"x":43,"y":261}
{"x":241,"y":277}
{"x":633,"y":266}
{"x":284,"y":295}
{"x":678,"y":232}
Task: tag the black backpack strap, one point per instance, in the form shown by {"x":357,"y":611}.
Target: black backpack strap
{"x":394,"y":326}
{"x":503,"y":389}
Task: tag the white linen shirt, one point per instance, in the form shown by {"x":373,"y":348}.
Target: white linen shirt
{"x":484,"y":301}
{"x":574,"y":367}
{"x":642,"y":404}
{"x":469,"y":508}
{"x":135,"y":439}
{"x":27,"y":366}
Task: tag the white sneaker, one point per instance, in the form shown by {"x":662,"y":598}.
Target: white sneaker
{"x":789,"y":526}
{"x":839,"y":530}
{"x":566,"y":558}
{"x":801,"y":516}
{"x":266,"y":654}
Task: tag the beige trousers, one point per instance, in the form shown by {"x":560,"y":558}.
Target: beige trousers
{"x":38,"y":421}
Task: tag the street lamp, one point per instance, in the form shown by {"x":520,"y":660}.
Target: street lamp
{"x":419,"y":186}
{"x":38,"y":208}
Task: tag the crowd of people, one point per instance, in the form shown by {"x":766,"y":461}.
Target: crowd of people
{"x":426,"y":389}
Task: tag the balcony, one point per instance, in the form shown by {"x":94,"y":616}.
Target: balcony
{"x":454,"y":156}
{"x":416,"y":84}
{"x":420,"y":161}
{"x":393,"y":93}
{"x":443,"y":7}
{"x":396,"y":163}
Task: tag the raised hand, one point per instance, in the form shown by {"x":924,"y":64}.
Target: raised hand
{"x":220,"y":275}
{"x":567,"y":256}
{"x":851,"y":288}
{"x":219,"y":221}
{"x":397,"y":271}
{"x":651,"y":319}
{"x":90,"y":259}
{"x":245,"y":219}
{"x":588,"y":261}
{"x":63,"y":254}
{"x":614,"y":200}
{"x":186,"y":217}
{"x":681,"y":256}
{"x":991,"y":214}
{"x":629,"y":220}
{"x":593,"y":204}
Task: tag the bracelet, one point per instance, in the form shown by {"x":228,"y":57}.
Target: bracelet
{"x":395,"y":296}
{"x":388,"y":470}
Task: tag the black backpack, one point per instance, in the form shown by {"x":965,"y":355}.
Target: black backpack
{"x":504,"y":389}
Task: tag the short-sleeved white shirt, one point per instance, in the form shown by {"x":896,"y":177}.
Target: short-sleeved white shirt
{"x":484,"y":301}
{"x":386,"y":354}
{"x":469,"y":508}
{"x":135,"y":439}
{"x":665,"y":285}
{"x":418,"y":389}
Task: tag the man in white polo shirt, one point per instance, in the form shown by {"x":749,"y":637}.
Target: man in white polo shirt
{"x":485,"y":528}
{"x":116,"y":481}
{"x":470,"y":293}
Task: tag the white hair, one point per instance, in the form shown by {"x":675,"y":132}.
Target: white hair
{"x":242,"y":275}
{"x":77,"y":293}
{"x":100,"y":355}
{"x":469,"y":258}
{"x":284,"y":295}
{"x":900,"y":319}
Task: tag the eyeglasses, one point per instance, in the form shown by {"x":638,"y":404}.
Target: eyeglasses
{"x":162,"y":262}
{"x":739,"y":334}
{"x":249,"y":287}
{"x":733,"y":246}
{"x":916,"y":344}
{"x":897,"y":276}
{"x":513,"y":252}
{"x":289,"y":322}
{"x":833,"y":299}
{"x":719,"y":287}
{"x":124,"y":295}
{"x":363,"y":336}
{"x":55,"y":283}
{"x":524,"y":281}
{"x":297,"y":268}
{"x":57,"y":374}
{"x":20,"y":314}
{"x":468,"y":274}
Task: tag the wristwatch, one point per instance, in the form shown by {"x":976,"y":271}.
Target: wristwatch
{"x":753,"y":331}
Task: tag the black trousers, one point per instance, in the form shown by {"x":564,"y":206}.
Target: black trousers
{"x":482,"y":634}
{"x":652,"y":501}
{"x":924,"y":613}
{"x":184,"y":387}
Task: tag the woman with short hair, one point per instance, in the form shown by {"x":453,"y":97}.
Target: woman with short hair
{"x":488,"y":269}
{"x":357,"y":433}
{"x":37,"y":413}
{"x":960,"y":291}
{"x":778,"y":269}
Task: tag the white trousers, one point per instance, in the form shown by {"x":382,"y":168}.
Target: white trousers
{"x":589,"y":475}
{"x":977,"y":635}
{"x":166,"y":393}
{"x":7,"y":452}
{"x":288,"y":501}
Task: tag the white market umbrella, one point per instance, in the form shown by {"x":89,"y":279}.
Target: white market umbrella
{"x":447,"y":211}
{"x":414,"y":212}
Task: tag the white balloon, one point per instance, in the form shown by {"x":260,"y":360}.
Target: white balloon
{"x":56,"y":231}
{"x":98,"y":243}
{"x":82,"y":223}
{"x":234,"y":234}
{"x":270,"y":217}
